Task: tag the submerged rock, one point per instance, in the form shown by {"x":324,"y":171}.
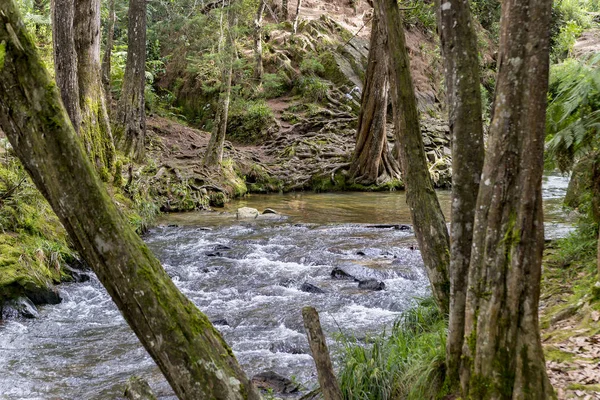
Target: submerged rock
{"x":338,"y":273}
{"x":371,"y":284}
{"x":277,"y":383}
{"x":310,"y":288}
{"x":138,"y":389}
{"x":269,"y":211}
{"x":247,"y":213}
{"x":222,"y":322}
{"x":19,"y":307}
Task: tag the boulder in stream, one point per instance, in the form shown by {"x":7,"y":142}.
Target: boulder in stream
{"x":19,"y":307}
{"x":247,"y":213}
{"x":138,"y":389}
{"x":371,"y":284}
{"x":269,"y":211}
{"x":48,"y":295}
{"x":277,"y":383}
{"x":310,"y":288}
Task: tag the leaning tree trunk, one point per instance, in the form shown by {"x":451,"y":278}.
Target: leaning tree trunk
{"x":426,"y":213}
{"x":372,"y":161}
{"x":107,"y":58}
{"x":296,"y":17}
{"x":189,"y":351}
{"x":214,"y":151}
{"x":258,"y":73}
{"x":65,"y":58}
{"x":95,"y":126}
{"x":502,"y":353}
{"x":459,"y":47}
{"x":131,"y":109}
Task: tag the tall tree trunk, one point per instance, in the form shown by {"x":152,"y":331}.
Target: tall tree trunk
{"x":95,"y":127}
{"x":131,"y":110}
{"x":107,"y":58}
{"x":284,"y":10}
{"x":189,"y":351}
{"x":214,"y":151}
{"x":459,"y":48}
{"x":65,"y":58}
{"x":502,"y":354}
{"x":426,"y":213}
{"x":372,"y":161}
{"x":296,"y":17}
{"x":258,"y":73}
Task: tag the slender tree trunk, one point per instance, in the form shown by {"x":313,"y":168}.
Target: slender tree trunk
{"x":258,"y":73}
{"x":131,"y":110}
{"x":595,"y":189}
{"x":429,"y":223}
{"x":296,"y":17}
{"x":189,"y":351}
{"x":502,"y":354}
{"x":107,"y":59}
{"x":372,"y":161}
{"x":214,"y":151}
{"x":459,"y":47}
{"x":65,"y":58}
{"x":95,"y":127}
{"x":284,"y":10}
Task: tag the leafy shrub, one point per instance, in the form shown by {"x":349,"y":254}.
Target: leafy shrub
{"x":249,"y":121}
{"x":310,"y":65}
{"x":275,"y":85}
{"x":419,"y":13}
{"x":312,"y":88}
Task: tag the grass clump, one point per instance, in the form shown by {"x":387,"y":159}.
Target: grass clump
{"x":409,"y":363}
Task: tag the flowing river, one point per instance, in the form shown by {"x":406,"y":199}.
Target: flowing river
{"x":247,"y":277}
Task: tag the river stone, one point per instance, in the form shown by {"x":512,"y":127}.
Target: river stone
{"x":272,"y":380}
{"x":19,"y":307}
{"x":41,"y":296}
{"x":338,"y":273}
{"x":357,"y":273}
{"x":269,"y":211}
{"x":310,"y":288}
{"x":222,"y":322}
{"x":138,"y":389}
{"x":371,"y":284}
{"x":247,"y":213}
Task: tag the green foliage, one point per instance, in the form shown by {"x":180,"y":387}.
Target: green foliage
{"x":249,"y":121}
{"x":419,"y":13}
{"x":407,"y":364}
{"x":312,"y":88}
{"x":573,"y":121}
{"x":487,"y":12}
{"x":566,"y":39}
{"x":312,"y":66}
{"x":275,"y":85}
{"x":569,"y":19}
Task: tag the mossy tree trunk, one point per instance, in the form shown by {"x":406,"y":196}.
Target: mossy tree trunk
{"x":107,"y":58}
{"x":284,"y":10}
{"x":190,"y":352}
{"x":214,"y":151}
{"x":131,"y":110}
{"x":296,"y":17}
{"x":461,"y":62}
{"x":502,"y":353}
{"x":65,"y":58}
{"x":372,"y":161}
{"x":258,"y":72}
{"x":426,"y":213}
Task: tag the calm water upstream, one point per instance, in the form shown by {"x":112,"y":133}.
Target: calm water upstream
{"x":247,"y":274}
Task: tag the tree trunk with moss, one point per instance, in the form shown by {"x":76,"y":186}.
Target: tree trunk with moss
{"x":189,"y":351}
{"x":284,"y":10}
{"x":95,"y":127}
{"x":372,"y":161}
{"x":426,"y":213}
{"x":131,"y":110}
{"x":107,"y":58}
{"x":258,"y":72}
{"x":214,"y":151}
{"x":461,"y":62}
{"x":65,"y":58}
{"x":502,"y":353}
{"x":296,"y":17}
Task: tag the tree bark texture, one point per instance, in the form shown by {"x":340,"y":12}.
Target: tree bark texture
{"x":95,"y":127}
{"x":461,"y":62}
{"x":426,"y":213}
{"x":131,"y":109}
{"x":372,"y":161}
{"x":284,"y":10}
{"x":65,"y":58}
{"x":318,"y":347}
{"x":259,"y":71}
{"x":107,"y":58}
{"x":214,"y":151}
{"x":190,"y":352}
{"x":296,"y":17}
{"x":502,"y":353}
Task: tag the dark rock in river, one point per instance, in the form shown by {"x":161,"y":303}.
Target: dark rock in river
{"x":338,"y":273}
{"x":357,"y":273}
{"x":213,"y":254}
{"x":269,"y":211}
{"x":47,"y":295}
{"x":76,"y":274}
{"x":310,"y":288}
{"x":288,"y":347}
{"x":371,"y":284}
{"x":138,"y":389}
{"x":274,"y":381}
{"x":221,"y":247}
{"x":19,"y":307}
{"x":222,"y":322}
